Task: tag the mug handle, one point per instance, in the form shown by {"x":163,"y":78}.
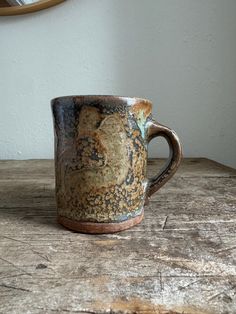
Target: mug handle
{"x":155,"y":129}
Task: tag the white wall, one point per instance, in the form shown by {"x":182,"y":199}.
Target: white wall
{"x":179,"y":53}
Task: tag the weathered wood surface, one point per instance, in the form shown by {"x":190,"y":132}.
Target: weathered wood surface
{"x":180,"y":259}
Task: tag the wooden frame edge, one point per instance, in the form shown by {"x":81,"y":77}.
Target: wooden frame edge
{"x":29,"y":8}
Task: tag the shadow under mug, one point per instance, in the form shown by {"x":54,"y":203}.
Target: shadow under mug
{"x":101,"y":147}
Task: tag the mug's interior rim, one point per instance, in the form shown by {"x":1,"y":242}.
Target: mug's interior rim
{"x":130,"y":100}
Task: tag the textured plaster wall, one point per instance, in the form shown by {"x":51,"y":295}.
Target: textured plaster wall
{"x":181,"y":54}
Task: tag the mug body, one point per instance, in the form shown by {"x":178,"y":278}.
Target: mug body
{"x":100,"y":161}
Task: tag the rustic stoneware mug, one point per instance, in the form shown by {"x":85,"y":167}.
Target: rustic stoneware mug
{"x":101,"y":160}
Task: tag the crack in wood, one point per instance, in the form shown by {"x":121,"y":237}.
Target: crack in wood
{"x":226,"y":249}
{"x":13,"y":287}
{"x":164,"y":223}
{"x":30,"y":247}
{"x":67,"y":310}
{"x":9,"y":238}
{"x":190,"y":284}
{"x":16,"y":267}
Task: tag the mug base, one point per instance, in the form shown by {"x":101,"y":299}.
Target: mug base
{"x":98,"y":228}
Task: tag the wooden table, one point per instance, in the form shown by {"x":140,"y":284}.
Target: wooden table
{"x":180,"y":259}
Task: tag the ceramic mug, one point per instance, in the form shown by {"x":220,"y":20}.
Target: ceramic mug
{"x":101,"y":159}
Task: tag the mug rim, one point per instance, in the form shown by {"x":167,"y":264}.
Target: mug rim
{"x":130,"y":100}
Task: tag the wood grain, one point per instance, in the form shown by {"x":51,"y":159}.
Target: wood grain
{"x":180,"y":259}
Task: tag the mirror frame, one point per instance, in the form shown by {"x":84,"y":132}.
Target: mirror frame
{"x":28,"y":8}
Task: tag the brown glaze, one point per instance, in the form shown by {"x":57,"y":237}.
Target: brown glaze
{"x":142,"y":107}
{"x":154,"y":130}
{"x":100,"y":161}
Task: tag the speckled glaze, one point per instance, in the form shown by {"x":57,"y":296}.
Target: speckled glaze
{"x":100,"y":161}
